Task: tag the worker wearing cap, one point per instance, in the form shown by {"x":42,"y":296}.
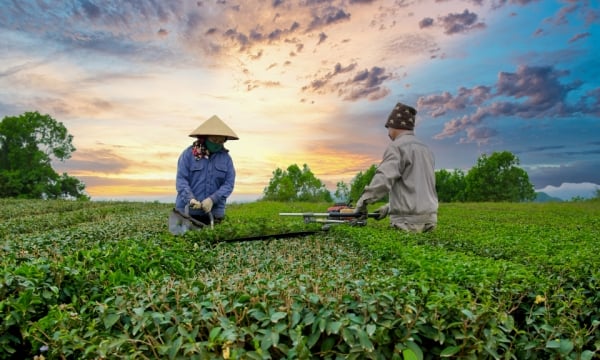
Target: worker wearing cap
{"x":205,"y":172}
{"x":406,"y":174}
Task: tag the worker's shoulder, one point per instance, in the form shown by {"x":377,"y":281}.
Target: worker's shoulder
{"x":408,"y":139}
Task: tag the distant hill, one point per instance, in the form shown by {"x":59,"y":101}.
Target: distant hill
{"x":543,"y":197}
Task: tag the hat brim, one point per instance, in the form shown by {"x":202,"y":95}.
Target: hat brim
{"x":214,"y":127}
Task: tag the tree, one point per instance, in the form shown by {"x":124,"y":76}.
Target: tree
{"x":67,"y":187}
{"x":498,"y":178}
{"x":28,"y":143}
{"x":342,"y":192}
{"x":357,"y":186}
{"x":294,"y":184}
{"x":450,"y":186}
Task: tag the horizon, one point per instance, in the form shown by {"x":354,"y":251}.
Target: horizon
{"x":566,"y":192}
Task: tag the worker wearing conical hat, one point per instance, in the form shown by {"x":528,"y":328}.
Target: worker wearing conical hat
{"x":205,"y":172}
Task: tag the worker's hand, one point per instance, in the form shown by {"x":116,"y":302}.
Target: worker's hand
{"x":361,"y":206}
{"x":195,"y":204}
{"x":207,"y":204}
{"x":382,"y":212}
{"x":361,"y":212}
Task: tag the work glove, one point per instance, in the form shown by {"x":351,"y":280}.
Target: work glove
{"x":195,"y":204}
{"x":361,"y":209}
{"x":361,"y":206}
{"x":382,"y":212}
{"x":207,"y":204}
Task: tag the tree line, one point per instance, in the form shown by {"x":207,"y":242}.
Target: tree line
{"x":495,"y":178}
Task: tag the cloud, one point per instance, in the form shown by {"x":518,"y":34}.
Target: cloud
{"x":561,"y":16}
{"x":591,"y":15}
{"x":456,"y":23}
{"x":480,"y":135}
{"x":568,"y":191}
{"x":578,"y":37}
{"x":410,"y":43}
{"x":574,"y":172}
{"x":538,"y":87}
{"x":425,"y":23}
{"x":254,"y":84}
{"x":322,"y":17}
{"x":245,"y":27}
{"x":367,"y":83}
{"x":254,"y":37}
{"x":319,"y":83}
{"x":103,"y":160}
{"x":496,"y":4}
{"x":322,"y":38}
{"x":220,"y":35}
{"x":22,"y":67}
{"x":532,"y":92}
{"x":122,"y":30}
{"x":590,"y":102}
{"x":568,"y":12}
{"x":541,"y":149}
{"x":440,"y":104}
{"x":460,"y":23}
{"x":90,"y":10}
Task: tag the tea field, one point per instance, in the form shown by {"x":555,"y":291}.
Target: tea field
{"x":106,"y":280}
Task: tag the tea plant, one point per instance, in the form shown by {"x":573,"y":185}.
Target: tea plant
{"x":95,"y":280}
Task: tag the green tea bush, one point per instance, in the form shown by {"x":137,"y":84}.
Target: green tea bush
{"x":90,"y":280}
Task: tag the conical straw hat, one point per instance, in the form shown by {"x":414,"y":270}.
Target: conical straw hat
{"x":214,"y":126}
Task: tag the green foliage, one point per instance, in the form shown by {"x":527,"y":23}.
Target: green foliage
{"x":450,"y":186}
{"x":295,"y":184}
{"x":357,"y":186}
{"x":342,"y":192}
{"x":27,"y":145}
{"x":92,"y":280}
{"x":494,"y":178}
{"x":498,"y":178}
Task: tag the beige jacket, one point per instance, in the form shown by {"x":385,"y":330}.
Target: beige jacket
{"x":407,"y":174}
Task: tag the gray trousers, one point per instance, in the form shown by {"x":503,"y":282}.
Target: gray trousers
{"x":414,"y":228}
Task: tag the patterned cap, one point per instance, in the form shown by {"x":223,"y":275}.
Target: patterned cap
{"x":402,"y":117}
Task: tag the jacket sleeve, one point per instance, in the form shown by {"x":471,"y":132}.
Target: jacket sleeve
{"x":226,"y":188}
{"x":387,"y":173}
{"x":182,"y":180}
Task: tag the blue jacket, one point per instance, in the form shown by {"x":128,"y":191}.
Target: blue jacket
{"x":213,"y":177}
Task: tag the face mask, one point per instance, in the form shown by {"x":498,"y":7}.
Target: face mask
{"x":213,"y":147}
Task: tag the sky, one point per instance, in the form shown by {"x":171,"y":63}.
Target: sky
{"x":307,"y":82}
